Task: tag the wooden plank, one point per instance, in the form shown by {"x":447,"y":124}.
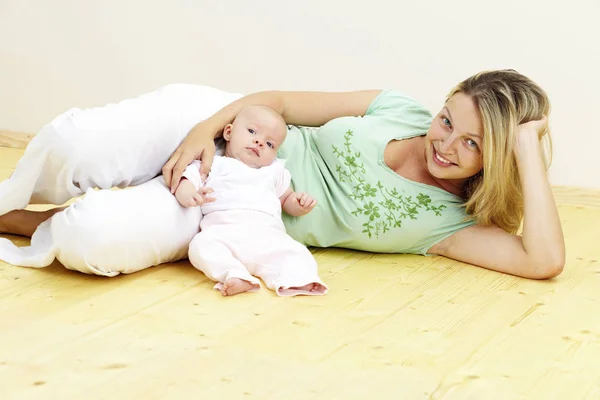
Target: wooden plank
{"x":18,"y":140}
{"x":576,"y":196}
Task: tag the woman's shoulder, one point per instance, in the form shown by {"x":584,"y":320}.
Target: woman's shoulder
{"x":396,"y":102}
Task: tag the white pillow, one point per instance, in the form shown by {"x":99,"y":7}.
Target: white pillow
{"x":109,"y":232}
{"x":116,"y":145}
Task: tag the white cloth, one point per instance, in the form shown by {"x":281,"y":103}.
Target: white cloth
{"x":122,"y":144}
{"x":109,"y":232}
{"x":244,"y":244}
{"x":117,"y":145}
{"x":240,"y":187}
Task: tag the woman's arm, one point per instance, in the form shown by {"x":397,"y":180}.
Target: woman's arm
{"x":297,"y":108}
{"x":540,"y":252}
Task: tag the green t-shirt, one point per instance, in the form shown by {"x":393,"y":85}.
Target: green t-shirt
{"x":362,"y":203}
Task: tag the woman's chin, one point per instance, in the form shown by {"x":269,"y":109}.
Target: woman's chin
{"x":440,"y":172}
{"x":452,"y":173}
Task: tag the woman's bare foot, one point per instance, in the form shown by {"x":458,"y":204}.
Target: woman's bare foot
{"x":233,"y":286}
{"x":24,"y":222}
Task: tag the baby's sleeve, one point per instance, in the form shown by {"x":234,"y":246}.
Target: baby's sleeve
{"x":192,"y":174}
{"x":282,"y":182}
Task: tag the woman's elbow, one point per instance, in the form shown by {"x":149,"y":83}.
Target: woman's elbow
{"x":549,"y":268}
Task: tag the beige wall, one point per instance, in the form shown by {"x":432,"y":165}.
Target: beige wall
{"x":63,"y":53}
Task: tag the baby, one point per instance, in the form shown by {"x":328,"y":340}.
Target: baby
{"x":242,"y":235}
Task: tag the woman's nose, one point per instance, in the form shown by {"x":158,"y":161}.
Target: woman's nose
{"x":447,"y":145}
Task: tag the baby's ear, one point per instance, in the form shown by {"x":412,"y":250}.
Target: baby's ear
{"x":227,"y":132}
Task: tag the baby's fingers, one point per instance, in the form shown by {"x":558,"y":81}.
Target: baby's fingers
{"x":311,"y":204}
{"x":303,"y":198}
{"x":205,"y":192}
{"x":198,"y":199}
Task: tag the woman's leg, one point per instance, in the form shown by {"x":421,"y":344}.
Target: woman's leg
{"x":25,"y":222}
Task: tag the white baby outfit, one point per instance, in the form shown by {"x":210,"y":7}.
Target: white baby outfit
{"x":241,"y":233}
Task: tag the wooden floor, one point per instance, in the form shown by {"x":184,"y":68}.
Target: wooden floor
{"x":392,"y":327}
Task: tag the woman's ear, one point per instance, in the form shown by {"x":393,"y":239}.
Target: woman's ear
{"x":227,"y":132}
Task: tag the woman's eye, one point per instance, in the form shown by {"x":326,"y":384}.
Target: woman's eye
{"x":446,"y":122}
{"x":472,"y":143}
{"x":251,"y":131}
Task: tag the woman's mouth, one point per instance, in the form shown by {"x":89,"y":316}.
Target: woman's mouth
{"x":441,"y":161}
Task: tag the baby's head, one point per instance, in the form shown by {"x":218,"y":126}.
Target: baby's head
{"x":255,"y":136}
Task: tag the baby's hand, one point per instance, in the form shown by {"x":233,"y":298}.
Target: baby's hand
{"x":187,"y":195}
{"x":305,"y":201}
{"x":302,"y":203}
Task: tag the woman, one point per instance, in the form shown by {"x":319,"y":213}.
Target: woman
{"x":481,"y":152}
{"x":390,"y":178}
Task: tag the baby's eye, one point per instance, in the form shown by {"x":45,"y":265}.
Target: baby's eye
{"x":271,"y":145}
{"x":251,"y":131}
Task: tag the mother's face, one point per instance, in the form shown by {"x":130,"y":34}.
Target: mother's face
{"x":454,"y":142}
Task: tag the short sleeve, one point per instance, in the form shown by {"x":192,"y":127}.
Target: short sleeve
{"x":403,"y":111}
{"x":282,"y":181}
{"x":192,"y":174}
{"x":455,"y":221}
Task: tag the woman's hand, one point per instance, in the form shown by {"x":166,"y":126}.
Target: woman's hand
{"x":537,"y":127}
{"x":199,"y":144}
{"x":529,"y":134}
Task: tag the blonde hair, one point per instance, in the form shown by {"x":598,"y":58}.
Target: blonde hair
{"x":504,"y":99}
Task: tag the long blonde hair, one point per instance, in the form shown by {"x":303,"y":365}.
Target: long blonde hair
{"x":504,"y":99}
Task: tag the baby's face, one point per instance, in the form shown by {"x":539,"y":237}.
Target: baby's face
{"x":254,"y":137}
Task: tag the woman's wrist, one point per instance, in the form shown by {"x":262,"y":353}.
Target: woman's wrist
{"x":207,"y":128}
{"x":528,"y":140}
